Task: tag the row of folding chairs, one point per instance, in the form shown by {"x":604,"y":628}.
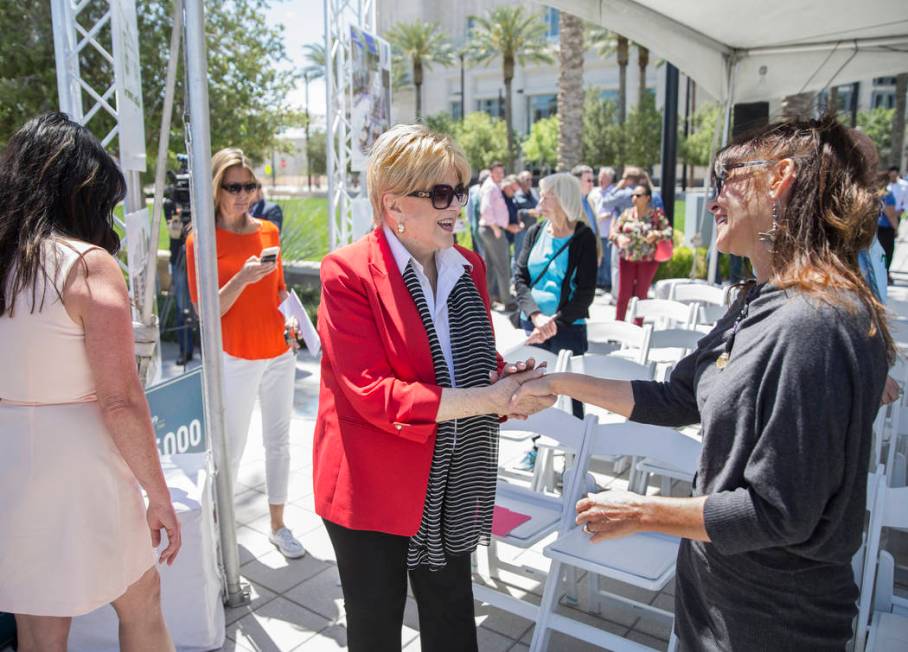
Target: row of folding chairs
{"x":882,"y":621}
{"x":645,"y":561}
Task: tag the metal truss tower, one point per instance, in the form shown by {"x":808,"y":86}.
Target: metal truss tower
{"x":108,"y":28}
{"x":340,"y":16}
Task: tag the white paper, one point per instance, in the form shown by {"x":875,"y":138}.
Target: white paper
{"x":292,"y":307}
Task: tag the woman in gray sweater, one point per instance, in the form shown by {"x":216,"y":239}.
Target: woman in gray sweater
{"x":786,"y":388}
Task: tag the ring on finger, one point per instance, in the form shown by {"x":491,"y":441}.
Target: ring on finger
{"x":586,"y":528}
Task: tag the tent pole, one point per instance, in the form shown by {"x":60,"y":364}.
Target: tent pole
{"x":161,"y":164}
{"x":207,"y":275}
{"x":732,"y":66}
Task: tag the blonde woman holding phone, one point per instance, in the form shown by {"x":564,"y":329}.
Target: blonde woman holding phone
{"x":258,"y":360}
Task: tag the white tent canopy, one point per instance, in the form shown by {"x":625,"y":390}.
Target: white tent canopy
{"x":771,"y":48}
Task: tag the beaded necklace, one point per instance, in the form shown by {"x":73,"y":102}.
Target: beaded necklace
{"x":725,"y":356}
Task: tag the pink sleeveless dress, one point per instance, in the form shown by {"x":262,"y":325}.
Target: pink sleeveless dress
{"x":73,"y":534}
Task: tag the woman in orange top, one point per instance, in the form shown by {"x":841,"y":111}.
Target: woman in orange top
{"x":258,"y":361}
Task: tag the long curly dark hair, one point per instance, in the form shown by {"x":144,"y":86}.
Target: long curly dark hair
{"x":830,"y":216}
{"x":56,"y":180}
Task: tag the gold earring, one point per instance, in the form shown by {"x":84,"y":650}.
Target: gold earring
{"x":400,"y":228}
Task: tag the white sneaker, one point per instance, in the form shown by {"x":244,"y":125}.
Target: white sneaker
{"x":288,"y":544}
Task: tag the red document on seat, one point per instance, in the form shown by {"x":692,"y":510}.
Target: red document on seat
{"x":504,"y":520}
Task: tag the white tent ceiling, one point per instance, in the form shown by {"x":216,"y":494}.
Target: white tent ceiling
{"x":780,"y":47}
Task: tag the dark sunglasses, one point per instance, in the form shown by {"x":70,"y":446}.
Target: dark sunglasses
{"x":237,"y":188}
{"x":639,"y":194}
{"x":442,"y":195}
{"x":720,"y":174}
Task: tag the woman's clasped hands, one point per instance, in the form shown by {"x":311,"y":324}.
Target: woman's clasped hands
{"x":505,"y":388}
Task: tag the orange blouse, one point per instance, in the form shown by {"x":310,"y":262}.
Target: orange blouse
{"x":253,"y":328}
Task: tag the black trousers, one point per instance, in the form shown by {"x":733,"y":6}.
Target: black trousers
{"x":373,"y":572}
{"x":886,"y":236}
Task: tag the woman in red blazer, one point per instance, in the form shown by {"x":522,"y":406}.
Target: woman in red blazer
{"x":406,"y":444}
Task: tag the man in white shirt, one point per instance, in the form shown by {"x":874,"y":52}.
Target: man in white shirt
{"x":899,"y":189}
{"x":493,"y":223}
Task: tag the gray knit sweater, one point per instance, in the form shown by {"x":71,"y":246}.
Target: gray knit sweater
{"x":786,"y":440}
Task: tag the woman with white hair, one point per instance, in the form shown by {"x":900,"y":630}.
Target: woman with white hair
{"x":556,"y":274}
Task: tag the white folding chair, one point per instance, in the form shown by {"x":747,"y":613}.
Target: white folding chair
{"x":598,"y":366}
{"x":712,"y":299}
{"x":663,"y":289}
{"x":885,"y":613}
{"x":645,"y":560}
{"x":663,"y":313}
{"x":545,"y":512}
{"x":625,"y":338}
{"x":672,"y":344}
{"x":526,"y":351}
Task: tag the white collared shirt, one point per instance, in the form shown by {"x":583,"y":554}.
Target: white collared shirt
{"x":451,"y":265}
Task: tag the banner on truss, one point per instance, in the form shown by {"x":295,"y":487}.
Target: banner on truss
{"x":128,"y":83}
{"x":370,"y":84}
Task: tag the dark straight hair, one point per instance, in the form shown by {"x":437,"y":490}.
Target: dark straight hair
{"x":56,"y":180}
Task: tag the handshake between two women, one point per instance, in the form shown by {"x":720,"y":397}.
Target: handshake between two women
{"x":513,"y":390}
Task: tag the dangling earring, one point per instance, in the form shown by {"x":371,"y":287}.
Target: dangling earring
{"x":400,"y":228}
{"x":770,"y":236}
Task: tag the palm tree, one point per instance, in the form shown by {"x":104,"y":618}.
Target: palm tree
{"x":898,"y":121}
{"x":515,"y":35}
{"x":622,"y":48}
{"x":570,"y":92}
{"x":315,"y":58}
{"x":642,"y":63}
{"x":422,"y":44}
{"x":606,"y":43}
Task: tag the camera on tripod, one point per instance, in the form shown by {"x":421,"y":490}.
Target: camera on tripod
{"x":177,"y":207}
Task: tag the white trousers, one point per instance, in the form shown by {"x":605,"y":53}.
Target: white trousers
{"x":272,"y":381}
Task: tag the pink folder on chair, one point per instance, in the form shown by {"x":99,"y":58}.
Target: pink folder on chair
{"x":505,"y":521}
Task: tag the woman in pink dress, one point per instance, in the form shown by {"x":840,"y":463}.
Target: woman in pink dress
{"x":76,"y":439}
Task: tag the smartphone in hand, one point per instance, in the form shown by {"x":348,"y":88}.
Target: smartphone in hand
{"x":269,"y":254}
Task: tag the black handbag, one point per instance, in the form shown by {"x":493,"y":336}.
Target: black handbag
{"x":515,"y":316}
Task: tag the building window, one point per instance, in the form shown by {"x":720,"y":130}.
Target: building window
{"x":541,"y":106}
{"x":609,"y":95}
{"x":884,"y":81}
{"x":471,"y":23}
{"x":455,"y":110}
{"x":882,"y":99}
{"x":494,"y":106}
{"x":843,"y":99}
{"x":552,"y":23}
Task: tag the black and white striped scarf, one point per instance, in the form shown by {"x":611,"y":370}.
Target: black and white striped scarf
{"x":457,"y":515}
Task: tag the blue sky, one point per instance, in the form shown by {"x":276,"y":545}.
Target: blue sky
{"x":304,"y":22}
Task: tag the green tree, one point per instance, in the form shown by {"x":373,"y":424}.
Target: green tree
{"x":443,"y":123}
{"x":28,"y":82}
{"x":695,"y":149}
{"x":877,"y":123}
{"x":317,"y":152}
{"x":247,"y":90}
{"x":643,"y":133}
{"x":517,"y":36}
{"x":420,"y":45}
{"x":483,"y":139}
{"x":541,"y":146}
{"x":603,"y":138}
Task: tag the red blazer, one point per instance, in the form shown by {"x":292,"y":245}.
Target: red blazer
{"x":375,"y":433}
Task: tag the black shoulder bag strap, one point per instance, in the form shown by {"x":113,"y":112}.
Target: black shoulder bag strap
{"x":550,"y":261}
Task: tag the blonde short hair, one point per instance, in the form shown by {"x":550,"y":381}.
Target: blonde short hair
{"x":565,"y":188}
{"x":408,"y":158}
{"x":220,"y":163}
